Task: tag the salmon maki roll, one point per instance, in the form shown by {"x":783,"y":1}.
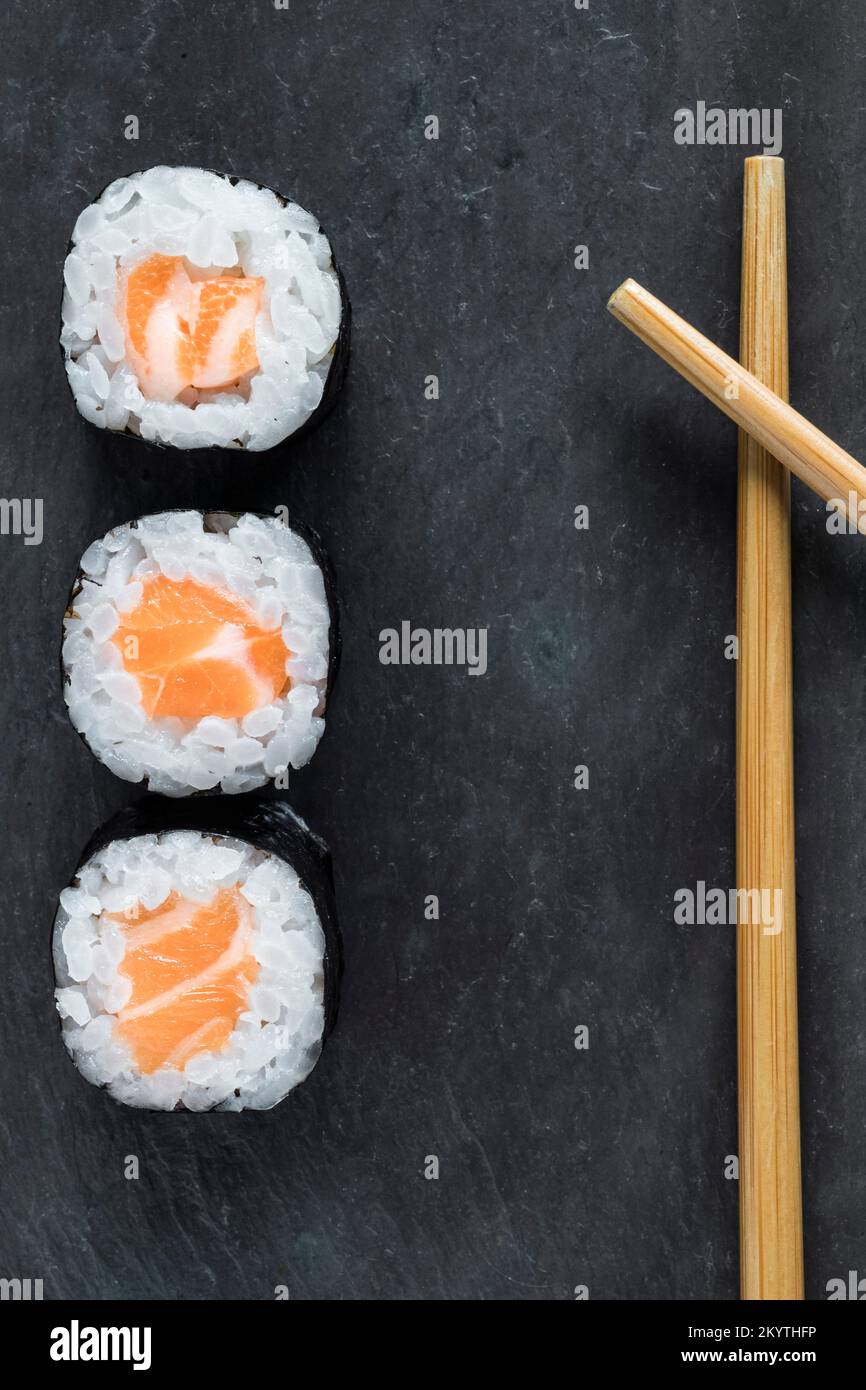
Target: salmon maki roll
{"x":199,"y":649}
{"x":202,"y":311}
{"x":195,"y":968}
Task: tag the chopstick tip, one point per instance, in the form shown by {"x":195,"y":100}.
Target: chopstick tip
{"x":767,"y":161}
{"x":622,"y":292}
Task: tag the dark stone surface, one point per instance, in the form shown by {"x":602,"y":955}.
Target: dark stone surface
{"x":558,"y":1167}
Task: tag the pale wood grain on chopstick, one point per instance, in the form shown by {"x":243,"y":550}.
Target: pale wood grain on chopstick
{"x":771,"y":1218}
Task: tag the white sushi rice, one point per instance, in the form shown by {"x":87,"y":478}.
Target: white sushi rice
{"x":278,"y":1037}
{"x":221,"y":228}
{"x":260,"y":561}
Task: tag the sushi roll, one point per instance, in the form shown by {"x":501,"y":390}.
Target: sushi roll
{"x":202,"y":311}
{"x":196,"y":955}
{"x":199,"y":650}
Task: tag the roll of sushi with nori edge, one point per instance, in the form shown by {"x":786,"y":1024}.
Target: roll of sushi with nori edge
{"x":202,"y":310}
{"x":197,"y":956}
{"x":199,"y":650}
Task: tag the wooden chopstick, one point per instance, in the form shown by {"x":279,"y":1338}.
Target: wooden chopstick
{"x":789,"y":437}
{"x":771,"y":1217}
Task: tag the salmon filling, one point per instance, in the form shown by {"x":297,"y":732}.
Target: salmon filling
{"x":190,"y":967}
{"x":197,"y":651}
{"x":181,"y":332}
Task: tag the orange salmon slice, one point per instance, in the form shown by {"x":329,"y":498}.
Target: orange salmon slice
{"x":181,"y":332}
{"x":197,"y":651}
{"x":191,"y":968}
{"x":225,"y":331}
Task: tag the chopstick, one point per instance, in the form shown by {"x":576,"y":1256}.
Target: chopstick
{"x":771,"y":1218}
{"x":789,"y":437}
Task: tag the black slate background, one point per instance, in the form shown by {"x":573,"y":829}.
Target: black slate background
{"x":558,"y":1167}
